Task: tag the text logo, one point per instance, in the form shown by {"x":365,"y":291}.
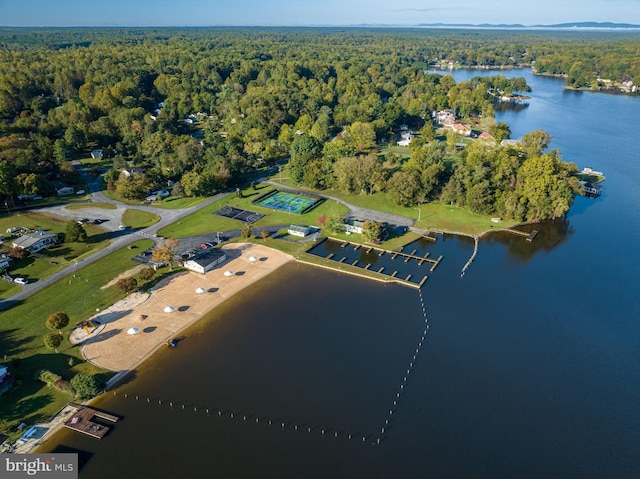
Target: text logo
{"x":46,"y":466}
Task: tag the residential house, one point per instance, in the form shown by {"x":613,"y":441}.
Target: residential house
{"x":485,"y":136}
{"x":34,"y":242}
{"x":591,"y":189}
{"x":5,"y":262}
{"x":459,"y":128}
{"x":206,"y":260}
{"x":97,"y":153}
{"x":300,"y":230}
{"x":444,"y":117}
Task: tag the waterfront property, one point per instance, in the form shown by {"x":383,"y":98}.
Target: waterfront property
{"x":206,"y":260}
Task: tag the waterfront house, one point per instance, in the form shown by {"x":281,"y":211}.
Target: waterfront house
{"x":206,"y":260}
{"x":34,"y":242}
{"x":591,"y":189}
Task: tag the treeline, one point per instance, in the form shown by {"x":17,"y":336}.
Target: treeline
{"x":256,"y":96}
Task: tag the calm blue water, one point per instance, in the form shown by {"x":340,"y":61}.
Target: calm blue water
{"x":530,"y":368}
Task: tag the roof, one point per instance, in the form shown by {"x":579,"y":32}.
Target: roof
{"x":28,"y":240}
{"x":208,"y":256}
{"x":300,"y":228}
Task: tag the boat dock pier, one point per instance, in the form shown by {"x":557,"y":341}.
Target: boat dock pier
{"x":82,"y":421}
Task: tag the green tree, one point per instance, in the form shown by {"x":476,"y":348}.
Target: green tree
{"x":371,"y":230}
{"x":86,"y":386}
{"x":75,"y":232}
{"x":52,"y":340}
{"x":500,"y":131}
{"x":403,"y":188}
{"x":304,"y":148}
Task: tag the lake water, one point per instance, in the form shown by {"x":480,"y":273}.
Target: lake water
{"x":530,"y":367}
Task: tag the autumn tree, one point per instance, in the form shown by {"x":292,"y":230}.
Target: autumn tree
{"x":165,"y":251}
{"x":57,"y":321}
{"x":126,"y":285}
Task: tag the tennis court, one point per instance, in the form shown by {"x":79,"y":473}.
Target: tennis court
{"x":239,"y":214}
{"x":288,"y":202}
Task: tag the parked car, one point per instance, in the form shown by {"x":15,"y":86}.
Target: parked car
{"x":21,"y":281}
{"x":123,"y":227}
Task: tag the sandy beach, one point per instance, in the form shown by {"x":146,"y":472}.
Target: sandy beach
{"x":110,"y":346}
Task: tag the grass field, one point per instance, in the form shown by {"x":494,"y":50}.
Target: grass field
{"x":23,"y":326}
{"x":204,"y":221}
{"x":138,"y":219}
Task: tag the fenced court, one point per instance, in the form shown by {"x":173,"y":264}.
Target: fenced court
{"x":288,"y":202}
{"x":239,"y":214}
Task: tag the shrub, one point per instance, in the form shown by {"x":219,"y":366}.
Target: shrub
{"x":127,"y":285}
{"x":48,"y":377}
{"x":147,"y":273}
{"x":57,"y":320}
{"x":64,"y":386}
{"x":52,"y":340}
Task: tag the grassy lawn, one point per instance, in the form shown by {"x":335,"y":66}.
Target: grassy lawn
{"x":174,"y":203}
{"x":204,"y":221}
{"x":46,"y":262}
{"x":22,"y":328}
{"x":138,"y":219}
{"x":104,"y":206}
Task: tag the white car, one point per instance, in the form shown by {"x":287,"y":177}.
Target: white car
{"x":21,"y":281}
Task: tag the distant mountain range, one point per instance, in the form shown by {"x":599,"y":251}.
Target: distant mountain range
{"x":556,"y":26}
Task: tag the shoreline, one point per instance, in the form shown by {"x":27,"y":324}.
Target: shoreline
{"x":115,"y":346}
{"x":113,"y":349}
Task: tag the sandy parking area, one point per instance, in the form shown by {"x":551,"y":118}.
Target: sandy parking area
{"x":110,"y":347}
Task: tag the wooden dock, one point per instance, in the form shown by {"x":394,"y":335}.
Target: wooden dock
{"x":529,"y":236}
{"x":82,"y":421}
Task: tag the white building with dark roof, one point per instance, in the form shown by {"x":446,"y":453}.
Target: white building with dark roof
{"x":206,"y":260}
{"x":34,"y":242}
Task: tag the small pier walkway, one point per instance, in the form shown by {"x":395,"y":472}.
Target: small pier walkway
{"x":82,"y":421}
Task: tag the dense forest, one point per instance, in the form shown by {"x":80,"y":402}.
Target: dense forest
{"x":204,"y":108}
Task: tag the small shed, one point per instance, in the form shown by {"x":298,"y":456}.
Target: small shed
{"x":300,"y":230}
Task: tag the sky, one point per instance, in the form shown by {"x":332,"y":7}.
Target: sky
{"x":64,"y":13}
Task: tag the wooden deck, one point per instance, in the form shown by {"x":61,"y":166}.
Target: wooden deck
{"x":82,"y":421}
